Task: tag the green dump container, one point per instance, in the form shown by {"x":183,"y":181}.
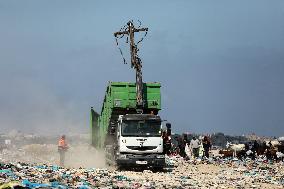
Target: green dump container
{"x":120,"y":99}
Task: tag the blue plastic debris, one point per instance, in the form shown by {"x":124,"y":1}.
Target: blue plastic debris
{"x":29,"y":184}
{"x":58,"y":185}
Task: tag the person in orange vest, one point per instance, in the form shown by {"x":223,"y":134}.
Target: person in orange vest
{"x":62,"y":148}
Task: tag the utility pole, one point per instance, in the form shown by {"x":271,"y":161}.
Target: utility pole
{"x":135,"y":61}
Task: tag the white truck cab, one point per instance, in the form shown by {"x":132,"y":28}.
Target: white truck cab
{"x":139,"y":141}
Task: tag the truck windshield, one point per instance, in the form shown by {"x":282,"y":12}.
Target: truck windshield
{"x":141,"y":128}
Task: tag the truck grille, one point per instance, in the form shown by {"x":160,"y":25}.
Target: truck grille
{"x":141,"y":148}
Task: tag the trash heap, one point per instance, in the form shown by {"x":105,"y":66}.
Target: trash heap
{"x":228,"y":173}
{"x":211,"y":173}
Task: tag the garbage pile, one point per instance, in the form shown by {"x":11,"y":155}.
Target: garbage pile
{"x":229,"y":173}
{"x":41,"y":170}
{"x":210,"y":173}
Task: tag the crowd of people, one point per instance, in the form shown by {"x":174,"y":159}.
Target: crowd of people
{"x":185,"y":148}
{"x":199,"y":147}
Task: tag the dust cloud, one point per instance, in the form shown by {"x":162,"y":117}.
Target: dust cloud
{"x":32,"y":118}
{"x":85,"y":156}
{"x":44,"y":150}
{"x":31,"y":106}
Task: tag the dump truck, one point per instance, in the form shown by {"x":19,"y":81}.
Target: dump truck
{"x":129,"y":138}
{"x":128,"y":126}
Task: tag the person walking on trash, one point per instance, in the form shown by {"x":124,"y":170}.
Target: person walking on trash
{"x":206,"y":146}
{"x":188,"y":151}
{"x":62,"y":148}
{"x":194,"y":144}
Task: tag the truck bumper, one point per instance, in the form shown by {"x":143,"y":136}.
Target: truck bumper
{"x":152,"y":160}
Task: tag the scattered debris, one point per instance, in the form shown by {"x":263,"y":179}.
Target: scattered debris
{"x":195,"y":173}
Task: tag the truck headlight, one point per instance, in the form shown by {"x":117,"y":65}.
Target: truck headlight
{"x":160,"y":156}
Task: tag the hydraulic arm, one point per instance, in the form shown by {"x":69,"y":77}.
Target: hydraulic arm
{"x":136,"y":62}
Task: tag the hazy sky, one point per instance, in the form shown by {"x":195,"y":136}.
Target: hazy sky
{"x":220,"y":63}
